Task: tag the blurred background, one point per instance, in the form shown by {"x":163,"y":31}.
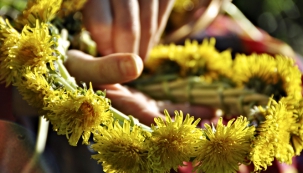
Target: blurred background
{"x":282,"y":19}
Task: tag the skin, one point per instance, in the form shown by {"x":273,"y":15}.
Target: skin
{"x":131,"y":26}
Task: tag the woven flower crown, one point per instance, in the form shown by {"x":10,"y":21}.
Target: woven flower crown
{"x":32,"y":56}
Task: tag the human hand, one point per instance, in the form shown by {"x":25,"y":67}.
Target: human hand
{"x":132,"y":26}
{"x":104,"y":71}
{"x":111,"y":69}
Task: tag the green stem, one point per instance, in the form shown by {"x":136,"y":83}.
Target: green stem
{"x":64,"y":73}
{"x":61,"y":80}
{"x":121,"y":117}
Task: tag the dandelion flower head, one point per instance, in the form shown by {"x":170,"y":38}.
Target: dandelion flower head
{"x":121,"y":148}
{"x":173,"y":142}
{"x":290,"y":76}
{"x":273,"y":133}
{"x":43,"y":10}
{"x":192,"y":58}
{"x":33,"y":87}
{"x":9,"y":37}
{"x":78,"y":113}
{"x":267,"y":75}
{"x":224,"y":147}
{"x":296,"y":129}
{"x":34,"y":49}
{"x":7,"y":32}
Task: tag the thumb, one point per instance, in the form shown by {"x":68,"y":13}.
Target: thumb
{"x":114,"y":68}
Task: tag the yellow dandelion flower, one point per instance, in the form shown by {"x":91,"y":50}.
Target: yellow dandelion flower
{"x":121,"y":148}
{"x":8,"y":39}
{"x":274,"y":133}
{"x":7,"y":31}
{"x":224,"y":147}
{"x":43,"y":10}
{"x":161,"y":59}
{"x":77,"y":114}
{"x":290,"y":76}
{"x":268,"y":75}
{"x":173,"y":142}
{"x":296,"y":129}
{"x":33,"y":87}
{"x":33,"y":49}
{"x":260,"y":66}
{"x":70,"y":6}
{"x":191,"y":59}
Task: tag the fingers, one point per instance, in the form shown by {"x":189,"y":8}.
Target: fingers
{"x":98,"y":20}
{"x":132,"y":26}
{"x":114,"y":68}
{"x":133,"y":103}
{"x":153,"y":18}
{"x":149,"y":24}
{"x":126,"y":26}
{"x":165,"y":7}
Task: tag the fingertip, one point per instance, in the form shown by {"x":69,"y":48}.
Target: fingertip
{"x":131,"y":65}
{"x":139,"y":63}
{"x":114,"y":68}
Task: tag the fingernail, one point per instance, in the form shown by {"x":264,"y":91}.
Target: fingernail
{"x":131,"y":65}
